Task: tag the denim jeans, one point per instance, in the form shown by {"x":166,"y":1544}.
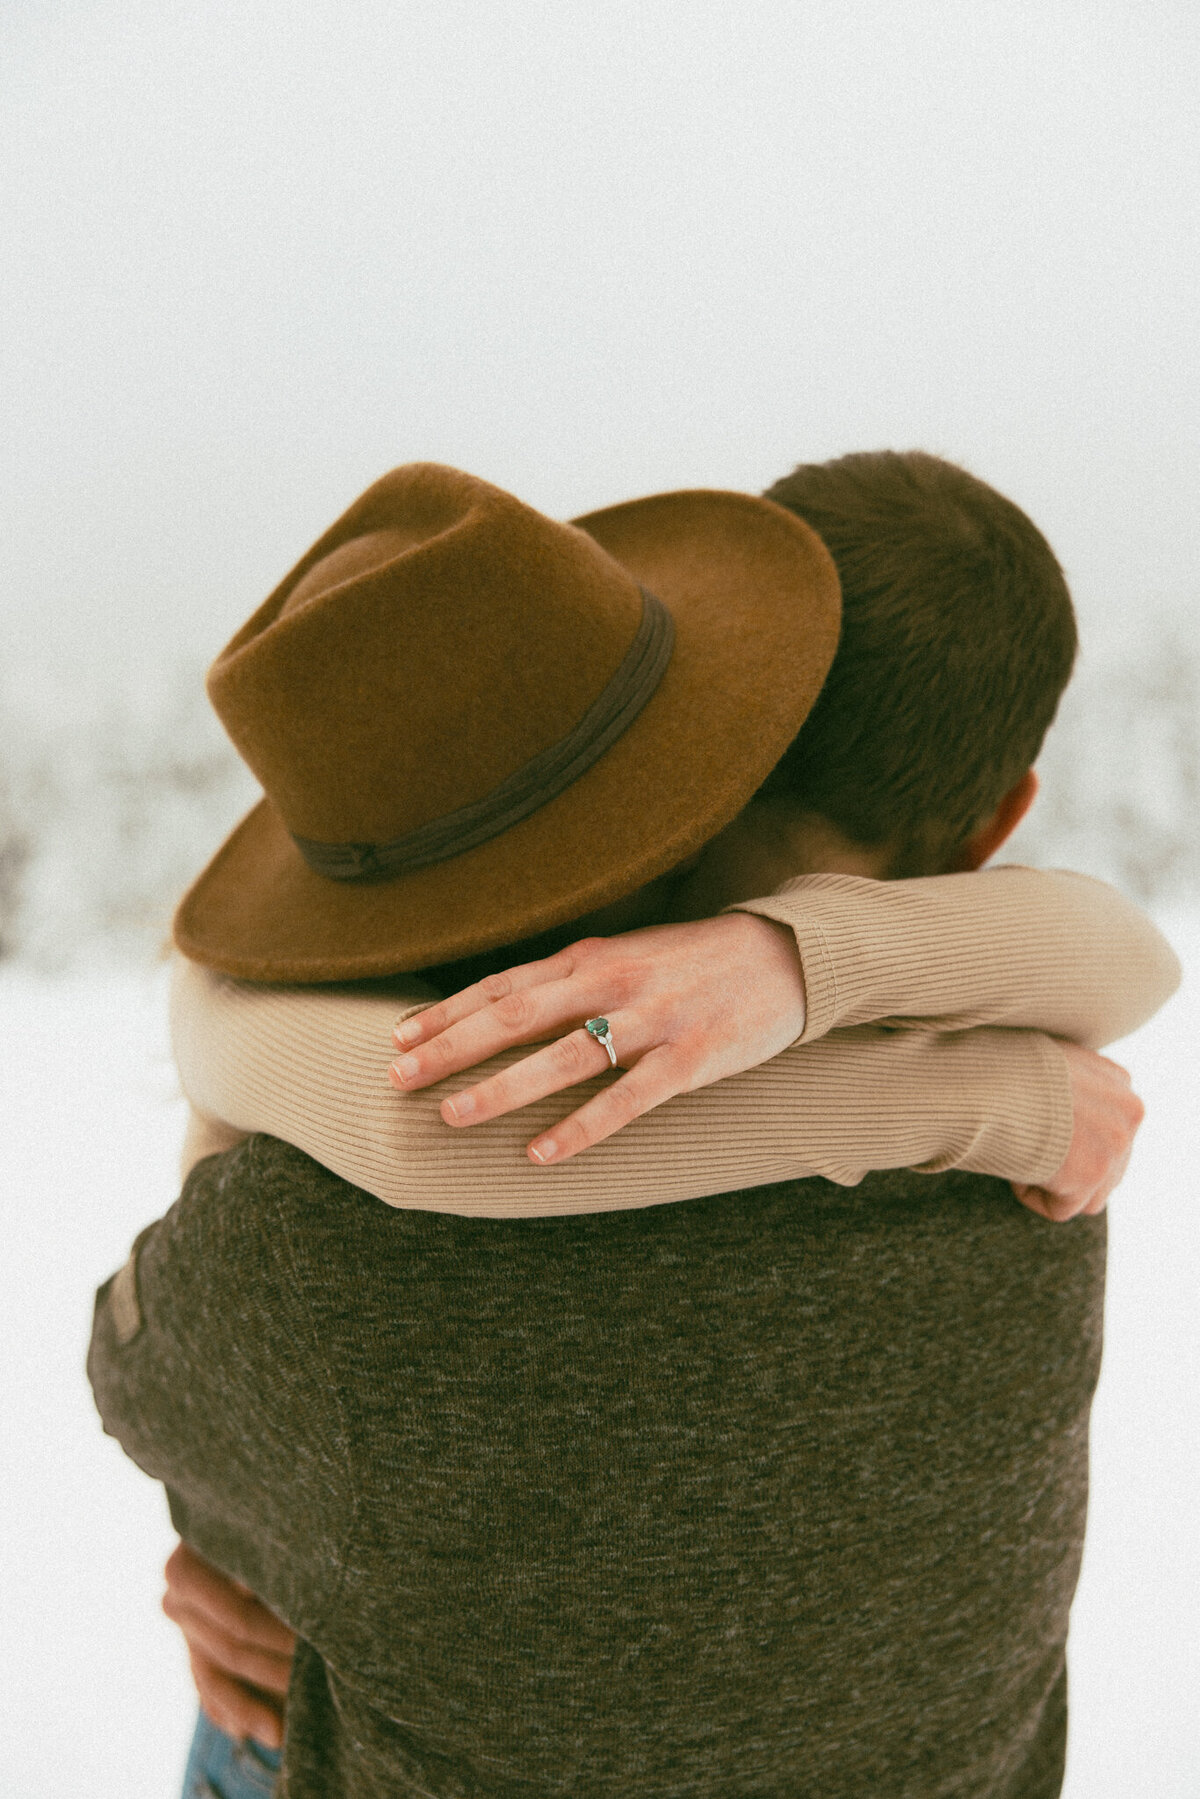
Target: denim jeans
{"x":219,"y":1768}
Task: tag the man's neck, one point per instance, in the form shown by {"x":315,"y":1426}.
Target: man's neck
{"x":770,"y":842}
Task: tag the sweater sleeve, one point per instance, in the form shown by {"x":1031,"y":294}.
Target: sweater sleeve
{"x":1044,"y":949}
{"x":311,"y":1067}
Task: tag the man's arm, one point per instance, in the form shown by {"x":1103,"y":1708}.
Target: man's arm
{"x":203,"y":1356}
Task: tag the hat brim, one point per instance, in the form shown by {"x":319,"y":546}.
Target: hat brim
{"x":756,"y":604}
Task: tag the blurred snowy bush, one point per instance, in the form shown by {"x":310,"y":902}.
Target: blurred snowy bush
{"x":110,"y":802}
{"x":1120,"y":771}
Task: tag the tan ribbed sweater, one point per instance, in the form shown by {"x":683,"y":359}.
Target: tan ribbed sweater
{"x":931,"y":1009}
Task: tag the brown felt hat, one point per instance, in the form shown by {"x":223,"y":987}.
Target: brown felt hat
{"x":472,"y":722}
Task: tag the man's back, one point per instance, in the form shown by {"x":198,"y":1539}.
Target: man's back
{"x":775,"y":1493}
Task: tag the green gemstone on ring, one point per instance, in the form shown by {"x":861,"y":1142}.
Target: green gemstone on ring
{"x":596,"y":1026}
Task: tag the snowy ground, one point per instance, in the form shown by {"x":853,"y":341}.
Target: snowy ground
{"x":93,"y":1688}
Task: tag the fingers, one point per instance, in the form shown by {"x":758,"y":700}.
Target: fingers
{"x":240,"y":1653}
{"x":195,"y":1586}
{"x":1083,"y":1202}
{"x":523,"y":1016}
{"x":1106,"y":1116}
{"x":244,"y":1661}
{"x":1051,"y":1206}
{"x":708,"y":999}
{"x":574,"y":1058}
{"x":1116,"y":1175}
{"x":235,"y":1708}
{"x":434,"y":1019}
{"x":657,"y":1077}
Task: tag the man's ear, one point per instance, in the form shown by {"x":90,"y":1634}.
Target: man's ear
{"x":1003,"y":822}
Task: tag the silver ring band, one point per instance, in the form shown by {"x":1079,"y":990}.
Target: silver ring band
{"x":598,"y":1028}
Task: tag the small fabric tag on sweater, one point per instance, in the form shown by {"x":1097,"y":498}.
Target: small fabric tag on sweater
{"x":123,"y":1301}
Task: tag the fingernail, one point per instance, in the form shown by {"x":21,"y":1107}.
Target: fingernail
{"x":406,"y":1033}
{"x":460,"y":1106}
{"x":545,"y":1151}
{"x":406,"y":1069}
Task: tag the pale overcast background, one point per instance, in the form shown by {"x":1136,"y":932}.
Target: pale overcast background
{"x":254,"y":254}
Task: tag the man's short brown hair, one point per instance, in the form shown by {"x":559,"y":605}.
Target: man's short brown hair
{"x":958,"y":637}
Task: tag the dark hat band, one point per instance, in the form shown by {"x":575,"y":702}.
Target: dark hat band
{"x":531,"y":787}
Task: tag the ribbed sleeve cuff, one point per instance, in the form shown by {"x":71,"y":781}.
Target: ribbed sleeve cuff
{"x":1024,"y":1117}
{"x":817,"y":960}
{"x":1037,"y":948}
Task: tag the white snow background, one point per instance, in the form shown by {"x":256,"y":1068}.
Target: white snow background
{"x":254,"y":256}
{"x":94,"y":1693}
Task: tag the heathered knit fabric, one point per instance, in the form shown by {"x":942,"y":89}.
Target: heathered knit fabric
{"x":779,"y":1493}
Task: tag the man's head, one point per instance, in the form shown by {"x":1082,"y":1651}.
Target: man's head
{"x":958,"y":637}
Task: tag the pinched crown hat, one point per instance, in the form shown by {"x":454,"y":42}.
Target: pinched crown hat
{"x":472,"y":722}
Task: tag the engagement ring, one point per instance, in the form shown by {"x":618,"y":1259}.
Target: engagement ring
{"x":598,"y":1028}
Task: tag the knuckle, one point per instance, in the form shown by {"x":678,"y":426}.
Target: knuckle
{"x":682,"y":1066}
{"x":496,"y":986}
{"x":571,"y":1136}
{"x":623,"y":980}
{"x":513,"y":1011}
{"x":258,"y":1670}
{"x":238,"y":1661}
{"x":240,"y":1623}
{"x":572,"y":1055}
{"x":624,"y":1101}
{"x":433,"y":1057}
{"x":675,"y":1058}
{"x":1055,"y":1201}
{"x":628,"y":1105}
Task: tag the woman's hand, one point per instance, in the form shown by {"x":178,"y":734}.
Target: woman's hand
{"x":241,"y":1655}
{"x":686,"y":1005}
{"x":1107,"y":1113}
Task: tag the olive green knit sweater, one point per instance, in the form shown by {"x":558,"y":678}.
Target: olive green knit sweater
{"x":778,"y":1493}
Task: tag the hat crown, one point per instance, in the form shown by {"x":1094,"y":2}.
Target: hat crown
{"x":555,"y":714}
{"x":438,"y":610}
